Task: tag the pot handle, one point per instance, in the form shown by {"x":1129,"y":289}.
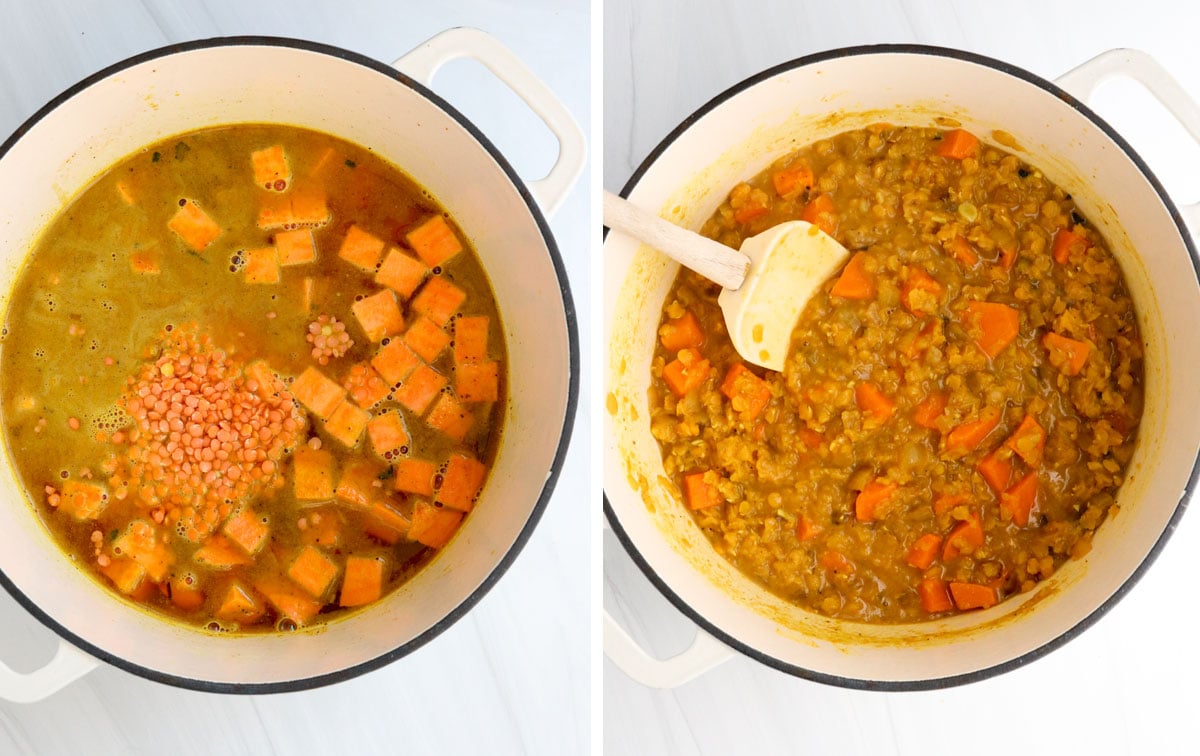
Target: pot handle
{"x":1082,"y":81}
{"x":705,"y":653}
{"x":68,"y":665}
{"x":424,"y":61}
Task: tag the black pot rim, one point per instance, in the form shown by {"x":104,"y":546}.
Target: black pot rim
{"x":569,"y":314}
{"x":970,"y":677}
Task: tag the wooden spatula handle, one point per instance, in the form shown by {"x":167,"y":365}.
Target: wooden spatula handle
{"x":710,"y":259}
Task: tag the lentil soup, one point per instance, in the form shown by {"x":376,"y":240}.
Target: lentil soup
{"x":251,"y":377}
{"x":959,"y":403}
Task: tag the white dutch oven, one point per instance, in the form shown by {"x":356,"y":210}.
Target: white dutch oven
{"x":195,"y":85}
{"x":737,"y":135}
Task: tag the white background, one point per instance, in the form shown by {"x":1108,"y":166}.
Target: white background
{"x":513,"y":676}
{"x":1127,"y":685}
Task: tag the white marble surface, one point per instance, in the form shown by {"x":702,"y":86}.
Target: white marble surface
{"x":513,"y":676}
{"x":1127,"y":685}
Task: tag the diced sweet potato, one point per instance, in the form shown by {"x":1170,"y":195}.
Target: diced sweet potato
{"x":289,"y":600}
{"x":309,"y":207}
{"x":360,"y":485}
{"x":347,"y":423}
{"x":450,"y":417}
{"x":312,"y":474}
{"x":361,"y":249}
{"x":239,"y":605}
{"x":433,"y":526}
{"x":322,"y":527}
{"x":434,"y":241}
{"x":313,"y":571}
{"x":271,"y":169}
{"x":385,"y":522}
{"x":401,"y":273}
{"x":365,"y":387}
{"x":379,"y":315}
{"x":186,"y":593}
{"x":394,"y":361}
{"x":247,"y":529}
{"x":419,"y":389}
{"x":295,"y":247}
{"x":83,"y":500}
{"x":471,"y":338}
{"x":218,"y":553}
{"x":461,"y":482}
{"x":264,"y":381}
{"x":140,"y":542}
{"x":387,"y":432}
{"x":193,"y":226}
{"x":426,"y":339}
{"x":363,"y":580}
{"x":145,"y":262}
{"x":438,"y":300}
{"x":477,"y":381}
{"x":414,"y":476}
{"x":319,"y":394}
{"x":262,"y":266}
{"x":126,"y":575}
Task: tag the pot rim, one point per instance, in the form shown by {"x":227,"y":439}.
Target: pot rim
{"x":855,"y":683}
{"x":569,"y":314}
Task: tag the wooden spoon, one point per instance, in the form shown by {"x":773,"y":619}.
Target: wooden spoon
{"x":768,"y":281}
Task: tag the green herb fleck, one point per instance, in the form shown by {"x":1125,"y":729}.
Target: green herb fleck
{"x":181,"y":150}
{"x":112,"y":534}
{"x":351,"y":164}
{"x":386,"y":474}
{"x":155,"y":157}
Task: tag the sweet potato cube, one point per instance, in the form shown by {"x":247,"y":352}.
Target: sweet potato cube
{"x":434,"y":241}
{"x":346,"y":424}
{"x":385,"y":522}
{"x":450,"y":417}
{"x":126,"y":193}
{"x":82,"y":500}
{"x":264,"y":381}
{"x":414,"y":476}
{"x":271,"y":167}
{"x":289,"y":600}
{"x":319,"y":394}
{"x":387,"y":432}
{"x":360,"y":485}
{"x":433,"y":526}
{"x":309,"y":208}
{"x":140,"y":542}
{"x":295,"y":247}
{"x":426,"y":338}
{"x":394,"y":361}
{"x":362,"y":582}
{"x":361,"y":249}
{"x":379,"y":315}
{"x":313,"y":571}
{"x":312,"y":474}
{"x":186,"y":593}
{"x":461,"y":482}
{"x":471,"y":338}
{"x":239,"y":605}
{"x":196,"y":229}
{"x":322,"y":527}
{"x":401,"y":273}
{"x":145,"y":262}
{"x":438,"y":300}
{"x":275,"y":211}
{"x":247,"y":529}
{"x":126,"y":575}
{"x":262,"y":266}
{"x":477,"y":381}
{"x":419,"y":389}
{"x":365,"y":387}
{"x":218,"y":553}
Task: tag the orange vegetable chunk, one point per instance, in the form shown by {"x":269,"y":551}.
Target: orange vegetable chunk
{"x":1068,"y":355}
{"x":308,"y":207}
{"x":347,"y":423}
{"x":699,"y":493}
{"x":379,"y":315}
{"x":996,"y":469}
{"x":295,"y":247}
{"x":360,"y":485}
{"x":247,"y":529}
{"x":433,"y":526}
{"x":394,"y":361}
{"x":747,"y":393}
{"x":1020,"y":500}
{"x":1028,"y":441}
{"x":686,"y":372}
{"x":924,"y":551}
{"x":127,"y":576}
{"x":836,"y":561}
{"x":239,"y":605}
{"x":806,"y":529}
{"x":921,"y":292}
{"x":450,"y":417}
{"x":361,"y":249}
{"x":960,"y":249}
{"x":289,"y":600}
{"x":926,"y":413}
{"x":401,"y":273}
{"x":140,"y":542}
{"x":387,"y":432}
{"x":935,"y":595}
{"x":790,"y":181}
{"x":820,"y":212}
{"x":958,"y":145}
{"x":855,"y":282}
{"x":145,"y":262}
{"x":323,"y":527}
{"x":426,"y":339}
{"x":683,"y":332}
{"x":385,"y":522}
{"x":262,"y":266}
{"x":1067,"y":241}
{"x":434,"y":241}
{"x":271,"y":166}
{"x":947,"y":501}
{"x":461,"y":482}
{"x":193,"y":226}
{"x":477,"y":381}
{"x":363,"y":580}
{"x":414,"y":476}
{"x":971,"y":434}
{"x":419,"y":389}
{"x":313,"y":571}
{"x":749,"y":212}
{"x":82,"y":500}
{"x":871,"y":498}
{"x":972,"y":596}
{"x":364,"y":386}
{"x":471,"y":338}
{"x":312,"y":474}
{"x":966,"y":536}
{"x":993,"y":325}
{"x":219,"y":553}
{"x":438,"y":300}
{"x":871,"y":399}
{"x":319,"y":394}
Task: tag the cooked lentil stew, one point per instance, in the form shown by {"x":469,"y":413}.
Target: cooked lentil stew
{"x":959,"y":404}
{"x":252,"y":377}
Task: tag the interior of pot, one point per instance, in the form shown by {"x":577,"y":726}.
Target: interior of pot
{"x":231,"y":83}
{"x":738,"y":137}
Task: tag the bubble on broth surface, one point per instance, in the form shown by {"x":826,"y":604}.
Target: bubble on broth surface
{"x":111,"y":418}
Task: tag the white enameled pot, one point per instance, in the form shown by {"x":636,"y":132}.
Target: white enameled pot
{"x":222,"y":81}
{"x":737,"y":135}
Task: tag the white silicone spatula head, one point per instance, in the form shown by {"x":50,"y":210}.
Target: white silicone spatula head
{"x":768,"y":281}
